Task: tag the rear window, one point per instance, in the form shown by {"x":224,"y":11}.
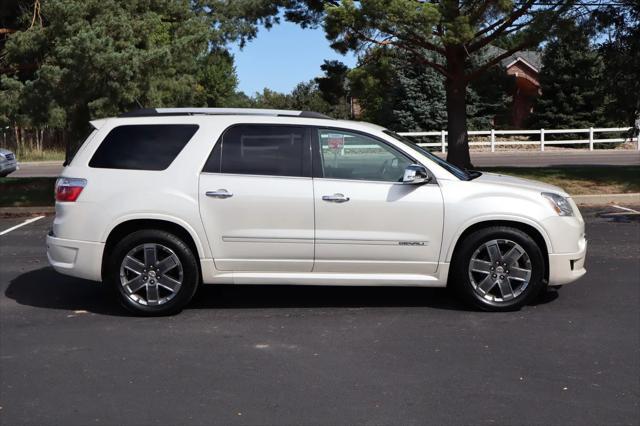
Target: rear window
{"x":257,"y":149}
{"x":142,"y":147}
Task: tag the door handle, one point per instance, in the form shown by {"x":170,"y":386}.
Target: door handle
{"x":220,"y":193}
{"x":335,"y":198}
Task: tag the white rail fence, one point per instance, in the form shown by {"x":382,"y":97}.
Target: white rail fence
{"x":492,"y":142}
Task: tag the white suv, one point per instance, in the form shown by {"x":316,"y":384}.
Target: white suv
{"x":156,"y":202}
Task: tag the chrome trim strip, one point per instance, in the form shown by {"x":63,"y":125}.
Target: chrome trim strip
{"x":372,"y":242}
{"x":229,"y":239}
{"x":232,"y":239}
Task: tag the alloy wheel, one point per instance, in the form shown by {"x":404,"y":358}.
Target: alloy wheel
{"x":500,"y":270}
{"x":151,"y":274}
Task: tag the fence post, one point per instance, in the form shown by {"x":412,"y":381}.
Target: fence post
{"x":541,"y":139}
{"x":590,"y":138}
{"x":493,"y":140}
{"x":442,"y":141}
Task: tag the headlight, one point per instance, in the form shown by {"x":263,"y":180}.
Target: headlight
{"x":560,"y":204}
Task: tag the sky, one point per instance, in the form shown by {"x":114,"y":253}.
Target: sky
{"x":282,"y":57}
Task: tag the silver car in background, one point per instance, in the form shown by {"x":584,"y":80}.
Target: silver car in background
{"x":8,"y":163}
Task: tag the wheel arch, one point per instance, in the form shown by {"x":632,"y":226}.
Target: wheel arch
{"x":132,"y":225}
{"x":535,"y":233}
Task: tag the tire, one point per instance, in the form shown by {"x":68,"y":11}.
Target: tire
{"x":153,"y":273}
{"x":495,"y":281}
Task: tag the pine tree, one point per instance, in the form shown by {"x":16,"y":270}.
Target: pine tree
{"x":620,"y":51}
{"x":73,"y":61}
{"x":571,"y":82}
{"x":398,"y":92}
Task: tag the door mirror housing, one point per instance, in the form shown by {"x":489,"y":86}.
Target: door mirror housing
{"x":415,"y":174}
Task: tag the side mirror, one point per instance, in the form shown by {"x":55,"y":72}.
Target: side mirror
{"x":415,"y":174}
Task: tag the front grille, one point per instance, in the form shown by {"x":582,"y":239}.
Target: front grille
{"x":10,"y":157}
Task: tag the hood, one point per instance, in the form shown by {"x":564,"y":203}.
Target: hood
{"x":519,"y":183}
{"x":5,"y":151}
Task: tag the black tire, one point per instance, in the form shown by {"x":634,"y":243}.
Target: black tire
{"x":461,"y":275}
{"x":190,"y":274}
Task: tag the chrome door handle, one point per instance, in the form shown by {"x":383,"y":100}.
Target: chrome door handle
{"x":335,"y":198}
{"x":220,"y":193}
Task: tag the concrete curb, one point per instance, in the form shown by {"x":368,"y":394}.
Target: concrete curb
{"x":604,"y":199}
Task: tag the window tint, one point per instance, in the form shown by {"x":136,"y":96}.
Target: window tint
{"x":454,"y":170}
{"x":347,"y":155}
{"x":142,"y":147}
{"x":261,"y":150}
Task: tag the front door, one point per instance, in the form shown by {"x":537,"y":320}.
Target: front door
{"x":367,"y":221}
{"x":256,"y":199}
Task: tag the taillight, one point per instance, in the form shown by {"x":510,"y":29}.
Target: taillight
{"x":69,"y":189}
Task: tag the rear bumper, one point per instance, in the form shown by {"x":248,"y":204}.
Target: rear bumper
{"x":82,"y":259}
{"x":8,"y":167}
{"x":567,"y":267}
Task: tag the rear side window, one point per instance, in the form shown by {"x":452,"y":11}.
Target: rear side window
{"x":142,"y":147}
{"x":256,"y":149}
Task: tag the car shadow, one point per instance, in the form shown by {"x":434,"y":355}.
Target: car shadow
{"x":45,"y":288}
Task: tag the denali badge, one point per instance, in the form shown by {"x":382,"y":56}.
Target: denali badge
{"x":411,"y":243}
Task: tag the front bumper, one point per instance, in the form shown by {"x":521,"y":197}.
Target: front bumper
{"x":567,"y":267}
{"x":82,"y":259}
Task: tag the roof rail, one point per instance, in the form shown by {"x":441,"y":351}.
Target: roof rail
{"x":150,"y":112}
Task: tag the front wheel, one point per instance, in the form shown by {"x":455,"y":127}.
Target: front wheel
{"x":153,"y":272}
{"x":498,"y":269}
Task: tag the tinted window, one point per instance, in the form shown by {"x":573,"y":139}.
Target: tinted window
{"x":261,"y":150}
{"x":454,"y":170}
{"x":346,"y":155}
{"x":142,"y":147}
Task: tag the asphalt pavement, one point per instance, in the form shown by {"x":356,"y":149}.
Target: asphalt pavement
{"x":320,"y":355}
{"x":479,"y":159}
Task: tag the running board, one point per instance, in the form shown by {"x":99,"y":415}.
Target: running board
{"x":311,"y":278}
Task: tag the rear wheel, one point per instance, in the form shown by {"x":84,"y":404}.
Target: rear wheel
{"x":153,"y":272}
{"x":498,"y":269}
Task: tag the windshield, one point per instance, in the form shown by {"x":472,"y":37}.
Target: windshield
{"x":454,"y":170}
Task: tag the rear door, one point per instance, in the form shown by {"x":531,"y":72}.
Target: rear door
{"x":256,"y":199}
{"x":367,"y":221}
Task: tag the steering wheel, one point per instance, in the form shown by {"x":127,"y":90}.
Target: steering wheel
{"x":387,"y":167}
{"x":382,"y":171}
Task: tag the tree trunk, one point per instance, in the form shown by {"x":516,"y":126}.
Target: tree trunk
{"x":17,"y":136}
{"x":456,"y":88}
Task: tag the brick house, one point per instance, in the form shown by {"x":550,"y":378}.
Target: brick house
{"x":525,"y":68}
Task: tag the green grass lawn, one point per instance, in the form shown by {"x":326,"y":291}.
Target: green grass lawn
{"x":24,"y":155}
{"x":27,"y":192}
{"x":580,"y":180}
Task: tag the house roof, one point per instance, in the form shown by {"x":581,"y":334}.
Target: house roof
{"x":531,"y":57}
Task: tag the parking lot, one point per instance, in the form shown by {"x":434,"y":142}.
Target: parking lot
{"x":320,"y":355}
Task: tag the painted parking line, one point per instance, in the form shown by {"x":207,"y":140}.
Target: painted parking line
{"x":20,"y":225}
{"x":625,"y":208}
